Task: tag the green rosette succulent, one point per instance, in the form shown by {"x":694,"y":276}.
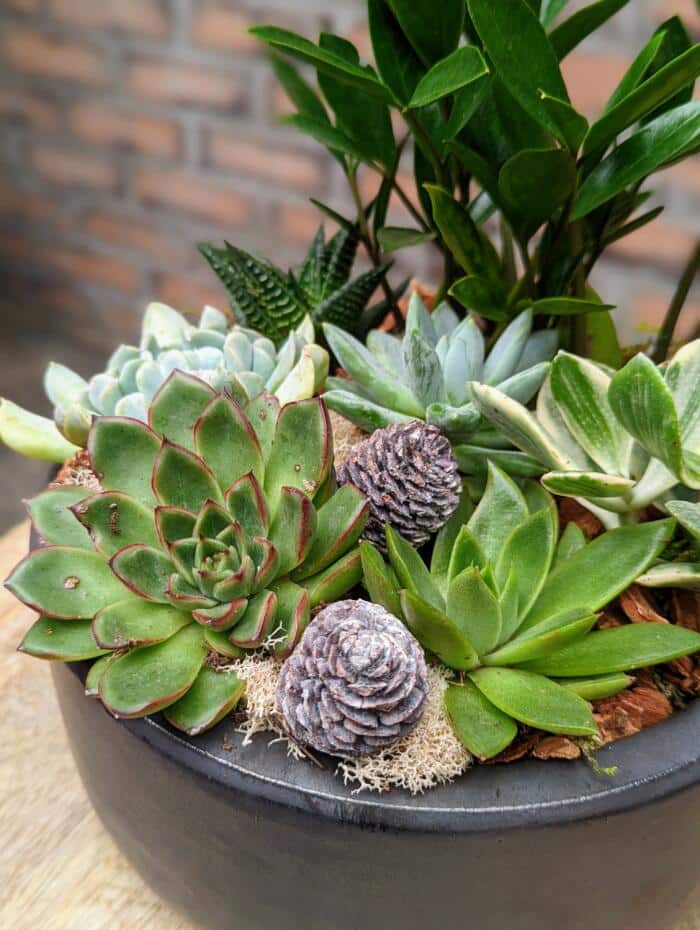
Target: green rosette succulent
{"x":217,"y":530}
{"x":425,"y":375}
{"x":616,"y":441}
{"x":512,"y":609}
{"x":232,"y":358}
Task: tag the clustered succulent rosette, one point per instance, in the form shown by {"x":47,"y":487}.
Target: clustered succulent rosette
{"x":512,"y":611}
{"x":425,"y":375}
{"x":617,"y":441}
{"x":232,"y":358}
{"x":217,"y":530}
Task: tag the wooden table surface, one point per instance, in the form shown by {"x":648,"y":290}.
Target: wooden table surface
{"x":59,"y":870}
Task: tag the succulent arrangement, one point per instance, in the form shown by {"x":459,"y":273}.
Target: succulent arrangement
{"x":232,"y":358}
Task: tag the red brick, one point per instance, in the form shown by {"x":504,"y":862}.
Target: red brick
{"x":144,"y":17}
{"x":298,"y":222}
{"x":23,"y":205}
{"x":188,"y":295}
{"x":591,"y":78}
{"x":264,"y":160}
{"x":184,"y":84}
{"x":102,"y":123}
{"x":88,"y":266}
{"x":688,"y":10}
{"x":649,"y":310}
{"x":656,"y":244}
{"x":64,"y":166}
{"x":217,"y":27}
{"x":24,"y":109}
{"x":50,"y":57}
{"x":185,"y":192}
{"x":135,"y":234}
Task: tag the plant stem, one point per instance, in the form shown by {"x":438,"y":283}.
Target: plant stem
{"x":433,"y":153}
{"x":579,"y":327}
{"x":405,"y":200}
{"x":665,"y":337}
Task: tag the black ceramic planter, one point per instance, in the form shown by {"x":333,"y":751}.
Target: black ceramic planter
{"x":247,"y":839}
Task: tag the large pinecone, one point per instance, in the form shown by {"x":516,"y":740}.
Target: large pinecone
{"x":410,"y":476}
{"x":356,"y":682}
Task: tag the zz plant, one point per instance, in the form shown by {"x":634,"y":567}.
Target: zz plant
{"x":512,"y":612}
{"x":216,"y":531}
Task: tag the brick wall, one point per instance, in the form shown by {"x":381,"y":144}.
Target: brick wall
{"x":131,"y":128}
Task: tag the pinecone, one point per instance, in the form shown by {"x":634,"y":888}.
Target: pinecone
{"x":356,"y":682}
{"x":409,"y":474}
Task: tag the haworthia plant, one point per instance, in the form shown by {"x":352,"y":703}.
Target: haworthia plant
{"x":512,"y":611}
{"x":618,"y":442}
{"x":232,"y":358}
{"x":218,"y":529}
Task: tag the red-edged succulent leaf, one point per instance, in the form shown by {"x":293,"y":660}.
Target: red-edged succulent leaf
{"x":173,"y":523}
{"x":182,"y":479}
{"x":218,"y":641}
{"x":65,"y":582}
{"x":266,"y":559}
{"x":211,"y":520}
{"x":212,"y":697}
{"x":293,"y":528}
{"x":335,"y":581}
{"x":95,"y":673}
{"x":340,"y":523}
{"x":177,"y":406}
{"x":115,"y":520}
{"x":182,"y":555}
{"x":53,"y":519}
{"x":247,"y":505}
{"x":123,"y":452}
{"x":134,"y":622}
{"x":293,"y":614}
{"x":223,"y":616}
{"x":258,"y":621}
{"x":263,"y":412}
{"x":144,"y":570}
{"x":224,"y":437}
{"x":146,"y":680}
{"x":238,"y":583}
{"x":185,"y":596}
{"x":49,"y":638}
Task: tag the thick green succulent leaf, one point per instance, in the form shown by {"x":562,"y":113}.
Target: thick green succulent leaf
{"x":293,"y":528}
{"x":115,"y":520}
{"x":258,"y":621}
{"x":211,"y":520}
{"x":536,"y":701}
{"x":183,"y":595}
{"x":436,"y":632}
{"x":95,"y":673}
{"x":596,"y":574}
{"x":507,"y":350}
{"x":292,"y":617}
{"x":52,"y":518}
{"x":341,"y":521}
{"x":183,"y":479}
{"x":123,"y":453}
{"x":642,"y":401}
{"x":177,"y":406}
{"x":460,"y":68}
{"x":263,"y":412}
{"x":544,"y":638}
{"x":474,"y":460}
{"x":225,"y":439}
{"x":246,"y":503}
{"x":213,"y":695}
{"x":173,"y":523}
{"x":567,"y":35}
{"x":474,"y":608}
{"x":580,"y":390}
{"x":362,"y":412}
{"x":65,"y":582}
{"x":683,"y":379}
{"x":597,"y":687}
{"x":572,"y":540}
{"x":64,"y":641}
{"x":466,"y":553}
{"x":587,"y":484}
{"x":144,"y":570}
{"x":672,"y":575}
{"x":423,"y":369}
{"x":218,"y":641}
{"x":636,"y":645}
{"x":499,"y":511}
{"x":133,"y":622}
{"x":480,"y":725}
{"x":31,"y":435}
{"x":379,"y":579}
{"x":446,"y":538}
{"x":223,"y":616}
{"x":62,"y":385}
{"x":411,"y":570}
{"x":688,"y":515}
{"x":149,"y":679}
{"x":335,"y":581}
{"x":529,"y":550}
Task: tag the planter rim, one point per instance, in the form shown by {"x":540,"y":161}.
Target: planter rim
{"x":652,"y":765}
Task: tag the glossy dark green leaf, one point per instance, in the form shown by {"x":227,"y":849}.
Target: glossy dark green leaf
{"x":536,"y":701}
{"x":115,"y":520}
{"x":213,"y":695}
{"x":474,"y":292}
{"x":465,"y":104}
{"x":534,"y":183}
{"x":636,"y":645}
{"x":123,"y":453}
{"x":471,"y":249}
{"x":332,"y":138}
{"x":397,"y":62}
{"x":581,"y":24}
{"x":637,"y":71}
{"x":573,"y":125}
{"x":299,"y":91}
{"x":437,"y":633}
{"x":62,"y":640}
{"x":675,"y":40}
{"x":393,"y":238}
{"x":177,"y":406}
{"x":462,"y":67}
{"x":550,"y":9}
{"x":480,"y":725}
{"x":660,"y":142}
{"x":597,"y":687}
{"x":522,"y":55}
{"x":433,"y":37}
{"x":567,"y":306}
{"x":478,"y":167}
{"x":335,"y":581}
{"x":53,"y":519}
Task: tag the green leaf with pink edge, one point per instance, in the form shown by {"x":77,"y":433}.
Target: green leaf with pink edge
{"x":115,"y":520}
{"x":182,"y":554}
{"x":173,"y":523}
{"x":186,"y":597}
{"x":258,"y":622}
{"x":246,"y":503}
{"x":211,"y":520}
{"x":238,"y":584}
{"x":95,"y":673}
{"x":293,"y":528}
{"x":263,"y":413}
{"x":53,"y":520}
{"x":61,"y":640}
{"x":144,"y":570}
{"x":65,"y":582}
{"x":181,"y":479}
{"x":123,"y":453}
{"x":223,"y":616}
{"x":133,"y":622}
{"x":177,"y":406}
{"x":149,"y":679}
{"x":224,"y":438}
{"x":266,"y":559}
{"x":331,"y":584}
{"x":218,"y":641}
{"x":293,"y":614}
{"x":340,"y":523}
{"x":212,"y":697}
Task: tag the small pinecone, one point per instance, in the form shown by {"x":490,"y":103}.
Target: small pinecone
{"x":356,"y":682}
{"x":410,"y":476}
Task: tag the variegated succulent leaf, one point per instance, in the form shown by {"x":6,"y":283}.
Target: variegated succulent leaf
{"x":512,"y":607}
{"x":214,"y":532}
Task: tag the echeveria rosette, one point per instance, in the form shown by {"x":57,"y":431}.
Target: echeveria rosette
{"x":425,"y":375}
{"x":512,"y":611}
{"x":217,"y":530}
{"x":617,"y":441}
